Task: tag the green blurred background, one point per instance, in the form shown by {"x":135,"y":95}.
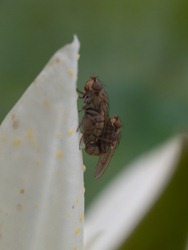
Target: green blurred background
{"x":138,"y":49}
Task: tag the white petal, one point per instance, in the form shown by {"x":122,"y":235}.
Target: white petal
{"x":123,"y":204}
{"x":41,"y":180}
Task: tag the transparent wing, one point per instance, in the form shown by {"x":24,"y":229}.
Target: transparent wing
{"x":103,"y":162}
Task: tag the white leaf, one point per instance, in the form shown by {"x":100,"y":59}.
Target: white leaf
{"x":41,"y":181}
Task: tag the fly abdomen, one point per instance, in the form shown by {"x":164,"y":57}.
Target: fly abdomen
{"x":92,"y":148}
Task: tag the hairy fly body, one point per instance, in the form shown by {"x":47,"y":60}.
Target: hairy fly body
{"x":95,"y":115}
{"x":100,"y":133}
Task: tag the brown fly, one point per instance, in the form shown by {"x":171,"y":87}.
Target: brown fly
{"x":95,"y":115}
{"x":108,"y":143}
{"x":101,"y":134}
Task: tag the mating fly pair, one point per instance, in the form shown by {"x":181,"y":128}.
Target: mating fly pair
{"x":101,"y":134}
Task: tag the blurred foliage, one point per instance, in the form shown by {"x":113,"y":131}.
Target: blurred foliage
{"x":139,"y":50}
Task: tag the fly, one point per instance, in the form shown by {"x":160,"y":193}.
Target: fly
{"x":108,"y":144}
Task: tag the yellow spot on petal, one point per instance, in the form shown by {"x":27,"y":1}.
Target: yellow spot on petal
{"x":71,"y":72}
{"x":22,"y":191}
{"x":81,"y":217}
{"x":75,"y":248}
{"x":84,"y":189}
{"x":78,"y":56}
{"x":58,"y":134}
{"x":77,"y":201}
{"x":59,"y":154}
{"x":29,"y":133}
{"x":31,"y":136}
{"x":71,"y":131}
{"x":77,"y":231}
{"x":47,"y":104}
{"x":16,"y":142}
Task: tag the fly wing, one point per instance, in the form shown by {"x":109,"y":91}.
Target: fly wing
{"x":105,"y":158}
{"x":103,"y":162}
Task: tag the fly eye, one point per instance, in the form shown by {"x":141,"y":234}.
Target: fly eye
{"x":96,"y":86}
{"x":117,"y":124}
